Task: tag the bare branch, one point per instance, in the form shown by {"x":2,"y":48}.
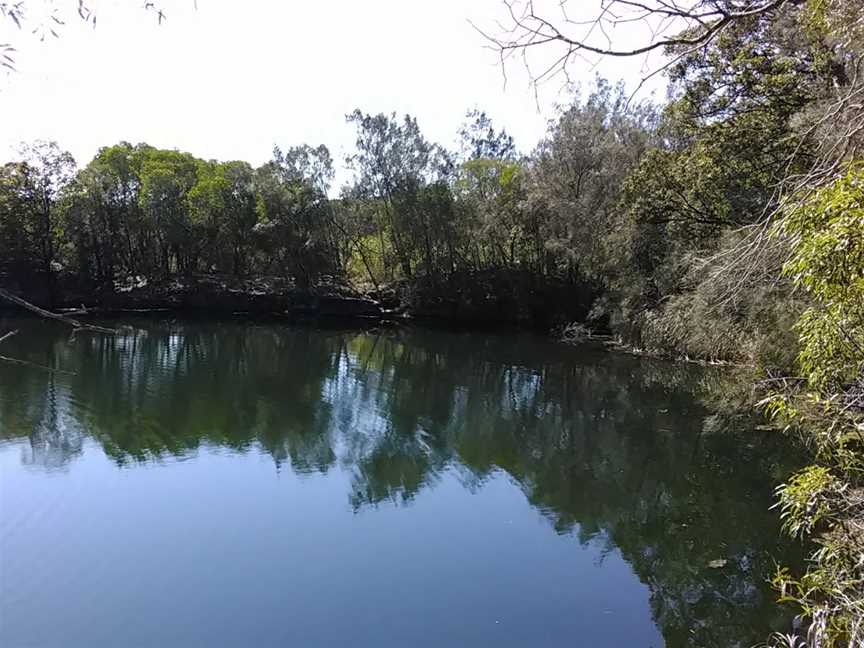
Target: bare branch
{"x":5,"y":294}
{"x":671,"y":25}
{"x":35,"y":365}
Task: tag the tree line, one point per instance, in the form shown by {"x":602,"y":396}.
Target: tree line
{"x":412,"y":209}
{"x":723,"y":223}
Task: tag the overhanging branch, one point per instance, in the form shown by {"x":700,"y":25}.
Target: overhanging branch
{"x":670,"y":26}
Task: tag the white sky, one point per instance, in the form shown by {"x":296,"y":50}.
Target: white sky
{"x":230,"y":79}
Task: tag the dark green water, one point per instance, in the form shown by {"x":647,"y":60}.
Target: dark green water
{"x":231,"y":484}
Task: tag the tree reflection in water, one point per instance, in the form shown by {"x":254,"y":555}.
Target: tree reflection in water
{"x":612,"y":449}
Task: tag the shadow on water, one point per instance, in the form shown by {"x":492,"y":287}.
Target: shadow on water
{"x":611,"y":449}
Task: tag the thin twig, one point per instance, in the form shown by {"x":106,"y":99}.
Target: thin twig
{"x":34,"y":365}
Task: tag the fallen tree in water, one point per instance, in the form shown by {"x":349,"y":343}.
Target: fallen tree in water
{"x":41,"y":312}
{"x":202,"y":293}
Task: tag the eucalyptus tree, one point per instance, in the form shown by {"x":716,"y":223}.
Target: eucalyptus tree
{"x":240,"y":216}
{"x":479,"y":140}
{"x":490,"y":195}
{"x":392,"y":164}
{"x":489,"y":190}
{"x":19,"y":250}
{"x":313,"y":167}
{"x":577,"y":172}
{"x":47,"y":171}
{"x":294,"y":217}
{"x":222,"y":215}
{"x":104,"y":217}
{"x":304,"y":163}
{"x":166,"y":179}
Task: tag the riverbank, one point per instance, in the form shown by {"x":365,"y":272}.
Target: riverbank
{"x":471,"y":300}
{"x":201,"y":294}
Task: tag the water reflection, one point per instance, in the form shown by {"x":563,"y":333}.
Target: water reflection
{"x":611,"y":449}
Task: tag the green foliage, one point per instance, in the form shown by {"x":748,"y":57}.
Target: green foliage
{"x":827,"y":239}
{"x":808,"y":499}
{"x":577,"y":173}
{"x":825,"y":231}
{"x":397,"y":169}
{"x":490,"y":195}
{"x":137,"y":210}
{"x":18,"y":234}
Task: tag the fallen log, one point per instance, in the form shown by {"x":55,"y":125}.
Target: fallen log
{"x":23,"y":303}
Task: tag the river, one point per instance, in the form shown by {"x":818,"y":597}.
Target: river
{"x":239,"y":484}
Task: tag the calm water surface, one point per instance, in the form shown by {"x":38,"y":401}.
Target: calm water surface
{"x":230,"y":484}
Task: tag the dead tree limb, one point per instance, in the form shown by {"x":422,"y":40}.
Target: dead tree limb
{"x":670,"y":27}
{"x":23,"y":303}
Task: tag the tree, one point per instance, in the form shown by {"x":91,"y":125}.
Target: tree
{"x":18,"y":223}
{"x":497,"y":234}
{"x":46,"y":172}
{"x":238,"y":202}
{"x":578,"y":171}
{"x":104,"y":216}
{"x":392,"y":164}
{"x":479,"y":140}
{"x":826,"y":499}
{"x":304,"y":163}
{"x":294,"y":217}
{"x":166,"y":179}
{"x":688,"y":26}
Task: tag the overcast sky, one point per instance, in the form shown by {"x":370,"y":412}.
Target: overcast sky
{"x":230,"y":79}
